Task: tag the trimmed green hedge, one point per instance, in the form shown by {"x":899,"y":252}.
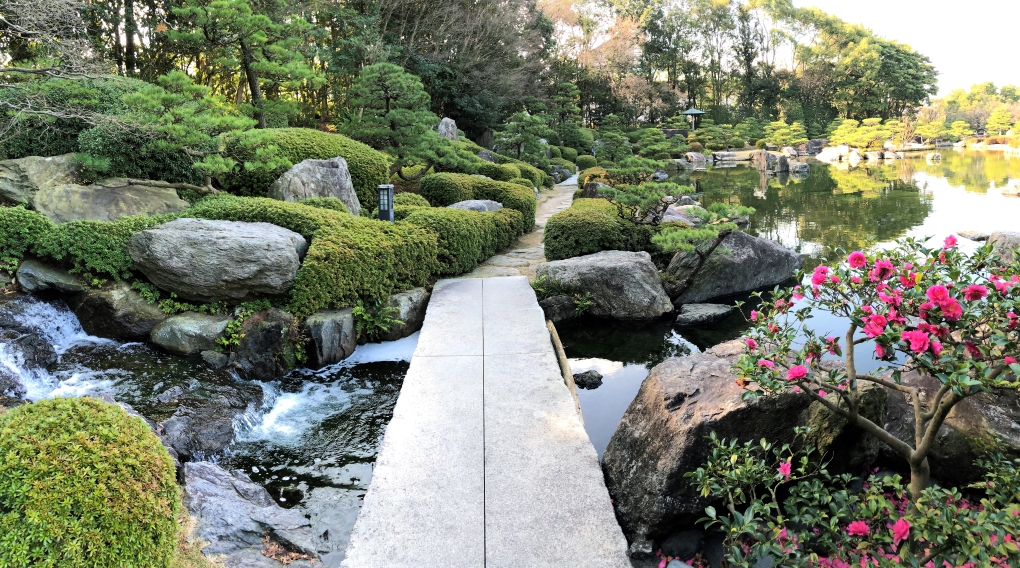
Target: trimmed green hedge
{"x":349,"y":259}
{"x":20,"y":230}
{"x":522,"y":182}
{"x":326,"y":203}
{"x":589,"y":226}
{"x":466,"y":237}
{"x":412,"y":199}
{"x":442,"y":190}
{"x":118,"y":152}
{"x":568,"y":153}
{"x":565,"y":163}
{"x":368,"y":167}
{"x":500,"y":172}
{"x":585,"y":162}
{"x":84,"y":485}
{"x":555,"y":152}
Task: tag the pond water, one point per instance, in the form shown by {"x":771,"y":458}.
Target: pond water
{"x":832,"y":208}
{"x":310,"y":438}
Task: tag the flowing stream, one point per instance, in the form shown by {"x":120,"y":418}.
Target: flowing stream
{"x":310,"y":438}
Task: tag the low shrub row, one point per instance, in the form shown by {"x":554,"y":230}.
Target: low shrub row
{"x":20,"y":229}
{"x":442,"y":190}
{"x":565,"y":163}
{"x":466,"y":238}
{"x":499,"y":172}
{"x":592,"y":225}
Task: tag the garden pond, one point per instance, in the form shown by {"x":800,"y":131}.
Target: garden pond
{"x":311,"y":437}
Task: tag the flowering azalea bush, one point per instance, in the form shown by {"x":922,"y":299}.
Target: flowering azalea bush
{"x":940,"y":312}
{"x":783,"y":505}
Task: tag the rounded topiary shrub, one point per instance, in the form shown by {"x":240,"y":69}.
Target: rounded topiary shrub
{"x":589,"y":226}
{"x":568,"y":153}
{"x":555,"y":152}
{"x":585,"y":161}
{"x":500,"y":172}
{"x":761,"y":144}
{"x":522,"y":182}
{"x":83,"y":484}
{"x":696,"y":147}
{"x":412,"y":199}
{"x":441,"y":190}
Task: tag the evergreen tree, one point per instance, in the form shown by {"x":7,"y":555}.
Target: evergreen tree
{"x":522,"y":138}
{"x":1000,"y":121}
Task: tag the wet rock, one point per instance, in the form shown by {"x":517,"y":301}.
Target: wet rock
{"x":815,"y":145}
{"x":480,"y":205}
{"x":742,"y":263}
{"x":115,"y":311}
{"x":764,"y":161}
{"x":317,"y":178}
{"x":189,"y":332}
{"x":410,"y":306}
{"x":34,"y":276}
{"x":694,"y":315}
{"x":234,"y":513}
{"x":203,"y":427}
{"x":980,"y":424}
{"x":266,"y":348}
{"x":624,"y":285}
{"x":11,"y":387}
{"x":697,"y":159}
{"x":978,"y":236}
{"x":588,"y":380}
{"x":684,"y":544}
{"x":1004,"y":243}
{"x":783,"y":165}
{"x":448,"y":129}
{"x":801,"y":168}
{"x":686,"y":200}
{"x":677,"y":564}
{"x":559,"y":308}
{"x":663,"y":434}
{"x":332,"y":335}
{"x":790,"y":152}
{"x":20,"y":179}
{"x":660,"y":176}
{"x":105,"y":200}
{"x":215,"y":359}
{"x":170,"y":395}
{"x":208,"y":261}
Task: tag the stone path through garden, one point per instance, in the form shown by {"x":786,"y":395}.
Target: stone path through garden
{"x":486,"y":461}
{"x":524,"y":257}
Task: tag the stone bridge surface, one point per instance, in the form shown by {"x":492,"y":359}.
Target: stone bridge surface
{"x":486,"y":461}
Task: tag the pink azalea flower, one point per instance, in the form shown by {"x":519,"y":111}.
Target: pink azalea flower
{"x":1013,"y":318}
{"x":879,"y":351}
{"x":972,"y":349}
{"x":857,"y":259}
{"x":875,"y":325}
{"x":662,"y":563}
{"x":938,"y":294}
{"x":835,"y":279}
{"x":751,"y":344}
{"x":766,"y":363}
{"x":798,"y":293}
{"x":950,"y":242}
{"x":796,"y":372}
{"x":936,"y":347}
{"x":974,"y":292}
{"x":1009,"y":360}
{"x":785,"y":469}
{"x":855,"y":279}
{"x":900,"y":531}
{"x":952,"y":310}
{"x":919,"y":340}
{"x":822,"y":393}
{"x":754,"y":315}
{"x":882,"y":271}
{"x":858,"y":528}
{"x":820,"y":275}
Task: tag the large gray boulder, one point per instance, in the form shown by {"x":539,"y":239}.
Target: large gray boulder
{"x":742,"y":263}
{"x":696,"y":315}
{"x":448,"y":129}
{"x":332,"y":335}
{"x":764,"y":161}
{"x":34,"y":276}
{"x":115,"y":311}
{"x":105,"y":200}
{"x":266,"y":348}
{"x":317,"y":178}
{"x":663,"y":435}
{"x":189,"y":332}
{"x":480,"y":205}
{"x":208,"y":261}
{"x":623,"y":285}
{"x":1004,"y":243}
{"x":235,"y":513}
{"x":410,"y":308}
{"x":20,"y":179}
{"x":982,"y":423}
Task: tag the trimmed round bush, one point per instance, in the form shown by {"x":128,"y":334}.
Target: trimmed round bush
{"x":500,"y":172}
{"x":445,"y":189}
{"x":522,"y":182}
{"x":368,"y":167}
{"x":566,"y":164}
{"x":761,"y":144}
{"x":696,"y":147}
{"x":555,"y":152}
{"x":20,"y":230}
{"x":412,"y":199}
{"x":568,"y":153}
{"x":589,"y":226}
{"x":442,"y":190}
{"x":585,"y":161}
{"x":83,"y":484}
{"x":332,"y":203}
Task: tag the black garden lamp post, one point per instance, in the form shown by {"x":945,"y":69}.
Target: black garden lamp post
{"x":386,"y":202}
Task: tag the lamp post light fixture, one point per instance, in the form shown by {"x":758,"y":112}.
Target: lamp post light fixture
{"x":386,"y":202}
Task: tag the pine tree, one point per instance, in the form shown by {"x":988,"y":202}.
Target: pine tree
{"x":999,"y":121}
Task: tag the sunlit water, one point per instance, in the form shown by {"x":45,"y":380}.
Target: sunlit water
{"x":832,"y":208}
{"x":310,"y":438}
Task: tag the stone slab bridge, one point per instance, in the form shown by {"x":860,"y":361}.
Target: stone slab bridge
{"x":486,"y":461}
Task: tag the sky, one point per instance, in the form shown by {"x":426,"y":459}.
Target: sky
{"x":968,"y":42}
